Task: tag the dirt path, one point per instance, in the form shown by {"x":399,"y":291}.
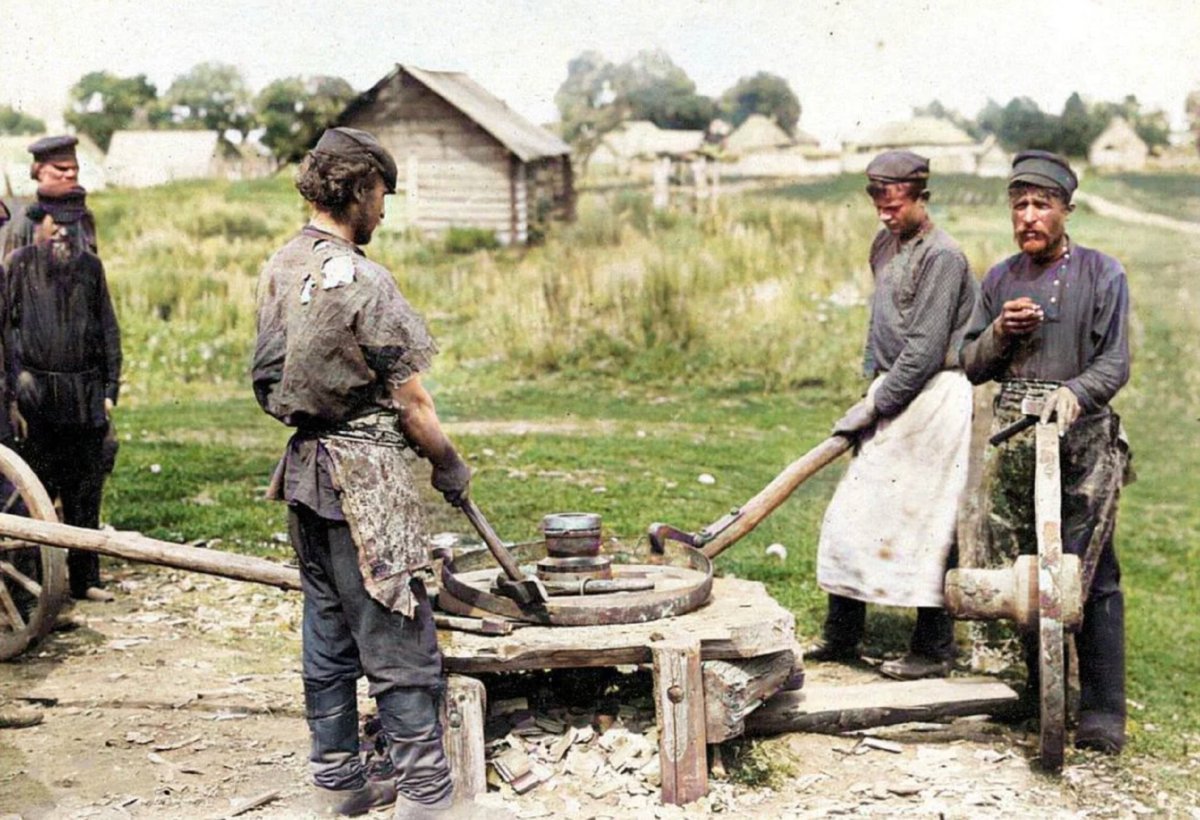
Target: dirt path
{"x":182,"y":699}
{"x":1124,"y":213}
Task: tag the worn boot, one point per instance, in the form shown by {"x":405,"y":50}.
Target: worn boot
{"x":344,"y":786}
{"x":931,"y":650}
{"x":845,"y":621}
{"x":1101,"y":649}
{"x":372,"y":794}
{"x":409,"y":715}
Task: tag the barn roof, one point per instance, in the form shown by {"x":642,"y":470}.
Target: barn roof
{"x":142,"y":158}
{"x":917,"y":131}
{"x":15,"y":160}
{"x":642,"y":138}
{"x":1118,"y":134}
{"x":524,"y":139}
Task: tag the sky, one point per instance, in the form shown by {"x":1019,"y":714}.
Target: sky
{"x":852,"y":63}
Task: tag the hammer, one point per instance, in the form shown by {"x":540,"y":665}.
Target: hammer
{"x":1032,"y":410}
{"x":524,"y":589}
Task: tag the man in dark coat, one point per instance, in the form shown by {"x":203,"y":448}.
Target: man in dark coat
{"x":63,"y":350}
{"x":1053,"y":323}
{"x":55,"y":167}
{"x":339,"y":357}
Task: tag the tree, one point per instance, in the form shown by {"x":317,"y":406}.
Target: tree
{"x":1191,"y":107}
{"x":295,"y":110}
{"x":651,"y":87}
{"x":766,"y":94}
{"x":938,"y":111}
{"x":213,"y":96}
{"x":990,"y":118}
{"x":585,"y":103}
{"x":101,"y":103}
{"x":1024,"y":125}
{"x":1077,"y":127}
{"x":15,"y":122}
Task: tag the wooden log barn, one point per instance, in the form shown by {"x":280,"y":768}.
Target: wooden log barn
{"x":465,"y":158}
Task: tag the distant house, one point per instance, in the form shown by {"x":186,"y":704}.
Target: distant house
{"x":140,"y":159}
{"x":1118,"y":148}
{"x":950,"y":149}
{"x":465,"y":158}
{"x":15,"y":161}
{"x":632,"y":147}
{"x":760,"y":148}
{"x":993,"y":160}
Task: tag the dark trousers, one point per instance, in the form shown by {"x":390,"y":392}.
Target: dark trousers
{"x":932,"y":637}
{"x":347,"y":634}
{"x":69,"y":461}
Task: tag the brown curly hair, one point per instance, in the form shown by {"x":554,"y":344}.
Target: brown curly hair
{"x":334,"y":183}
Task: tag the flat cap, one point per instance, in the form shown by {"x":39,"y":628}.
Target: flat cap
{"x":353,"y":143}
{"x":65,"y":208}
{"x":48,"y":149}
{"x":898,"y":166}
{"x":1045,"y":170}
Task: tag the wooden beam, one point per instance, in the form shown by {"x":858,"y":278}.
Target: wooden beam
{"x":735,"y":688}
{"x":463,"y":709}
{"x":831,"y":709}
{"x":679,"y":705}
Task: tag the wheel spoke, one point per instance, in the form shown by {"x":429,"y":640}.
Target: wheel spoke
{"x":10,"y":609}
{"x":12,"y":500}
{"x":31,"y":586}
{"x":8,"y":544}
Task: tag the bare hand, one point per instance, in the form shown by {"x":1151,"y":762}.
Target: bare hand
{"x":108,"y":408}
{"x":1064,"y":406}
{"x":859,"y":417}
{"x":20,"y":426}
{"x":1019,"y":317}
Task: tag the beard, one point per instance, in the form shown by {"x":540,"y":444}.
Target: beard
{"x":362,"y":227}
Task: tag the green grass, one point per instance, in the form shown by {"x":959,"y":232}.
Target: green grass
{"x":653,"y":348}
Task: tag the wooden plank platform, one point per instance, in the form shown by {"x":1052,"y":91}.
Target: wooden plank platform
{"x":833,"y":708}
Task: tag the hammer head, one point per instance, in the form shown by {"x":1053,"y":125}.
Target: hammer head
{"x":529,"y":591}
{"x":1032,"y":406}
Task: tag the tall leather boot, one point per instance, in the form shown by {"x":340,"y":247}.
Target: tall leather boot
{"x":845,"y":622}
{"x":342,"y":785}
{"x":409,"y":715}
{"x":1101,"y":649}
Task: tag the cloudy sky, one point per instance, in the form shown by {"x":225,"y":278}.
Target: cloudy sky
{"x":852,"y":63}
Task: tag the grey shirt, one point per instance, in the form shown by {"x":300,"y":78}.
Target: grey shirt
{"x":1083,"y":341}
{"x":924,"y":296}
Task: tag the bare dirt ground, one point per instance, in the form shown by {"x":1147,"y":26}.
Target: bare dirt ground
{"x":182,"y":699}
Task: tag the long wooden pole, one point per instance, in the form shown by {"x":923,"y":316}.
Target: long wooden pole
{"x":775,"y":493}
{"x":134,"y":547}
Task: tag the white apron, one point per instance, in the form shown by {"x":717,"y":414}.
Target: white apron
{"x":889,"y":528}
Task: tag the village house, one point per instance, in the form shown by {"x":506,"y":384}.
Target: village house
{"x":950,"y":149}
{"x":633,"y":147}
{"x":1118,"y":148}
{"x":465,"y":158}
{"x":759,"y":147}
{"x":140,"y":159}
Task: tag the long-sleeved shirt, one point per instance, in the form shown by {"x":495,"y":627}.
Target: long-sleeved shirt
{"x":924,"y":296}
{"x":1083,"y":340}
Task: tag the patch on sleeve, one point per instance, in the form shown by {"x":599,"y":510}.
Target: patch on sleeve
{"x":306,"y":291}
{"x":337,"y":271}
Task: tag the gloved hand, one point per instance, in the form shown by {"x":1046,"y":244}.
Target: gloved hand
{"x":452,"y":478}
{"x":861,"y":416}
{"x":1064,"y":405}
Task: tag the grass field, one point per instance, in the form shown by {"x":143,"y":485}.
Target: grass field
{"x":652,"y":348}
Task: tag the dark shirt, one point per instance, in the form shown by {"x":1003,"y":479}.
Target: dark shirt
{"x":1083,"y":341}
{"x":63,"y":342}
{"x":924,"y":295}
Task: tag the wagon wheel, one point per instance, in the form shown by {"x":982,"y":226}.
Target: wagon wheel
{"x":1052,"y":677}
{"x":32,"y":578}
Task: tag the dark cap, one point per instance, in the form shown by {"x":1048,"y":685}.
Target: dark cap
{"x":353,"y":143}
{"x":49,"y":149}
{"x":898,"y":166}
{"x":5,"y":214}
{"x":1045,"y":170}
{"x":66,"y":208}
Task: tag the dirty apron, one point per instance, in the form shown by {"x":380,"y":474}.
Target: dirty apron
{"x":888,"y":532}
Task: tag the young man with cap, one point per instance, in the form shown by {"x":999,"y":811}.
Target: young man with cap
{"x":63,"y":350}
{"x":1052,"y":324}
{"x":339,"y":357}
{"x":889,"y":530}
{"x":55,"y":167}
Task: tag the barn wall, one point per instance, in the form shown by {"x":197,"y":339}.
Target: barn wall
{"x":460,"y":173}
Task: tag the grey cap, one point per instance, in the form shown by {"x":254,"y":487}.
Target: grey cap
{"x":48,"y":149}
{"x":1045,"y":170}
{"x":353,"y":143}
{"x":898,"y":166}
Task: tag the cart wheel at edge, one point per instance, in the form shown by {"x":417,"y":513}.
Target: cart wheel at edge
{"x":32,"y":578}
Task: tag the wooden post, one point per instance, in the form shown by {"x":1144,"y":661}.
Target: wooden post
{"x":463,"y":709}
{"x":662,"y":183}
{"x":679,"y":704}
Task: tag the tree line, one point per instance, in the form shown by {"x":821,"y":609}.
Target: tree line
{"x":291,"y":111}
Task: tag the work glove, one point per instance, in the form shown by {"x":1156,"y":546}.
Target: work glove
{"x":861,"y":416}
{"x":1064,"y":406}
{"x":452,"y":478}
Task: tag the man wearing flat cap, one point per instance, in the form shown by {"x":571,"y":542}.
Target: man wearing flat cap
{"x":888,"y":533}
{"x":1053,"y":324}
{"x":63,"y":350}
{"x":339,"y":357}
{"x":55,"y":167}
